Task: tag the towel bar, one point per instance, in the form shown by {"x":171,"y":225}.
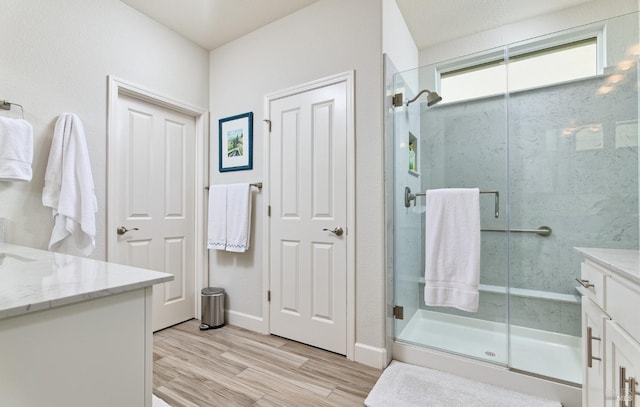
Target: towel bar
{"x":408,"y":197}
{"x":6,"y":105}
{"x":255,"y":184}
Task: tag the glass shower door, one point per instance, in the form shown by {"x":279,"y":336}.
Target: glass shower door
{"x":407,"y":222}
{"x":564,"y":158}
{"x":573,"y":165}
{"x":449,"y":145}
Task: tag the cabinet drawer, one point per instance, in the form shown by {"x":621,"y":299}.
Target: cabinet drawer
{"x":593,"y":274}
{"x":622,"y":304}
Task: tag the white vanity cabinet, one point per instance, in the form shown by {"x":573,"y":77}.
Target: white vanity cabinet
{"x":610,"y":280}
{"x":593,"y":351}
{"x":623,"y":339}
{"x":74,"y":331}
{"x":623,"y":366}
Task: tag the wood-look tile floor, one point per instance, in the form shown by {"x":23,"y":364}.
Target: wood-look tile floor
{"x":231,"y":366}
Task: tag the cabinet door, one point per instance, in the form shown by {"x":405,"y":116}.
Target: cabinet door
{"x":593,"y":351}
{"x":623,"y":352}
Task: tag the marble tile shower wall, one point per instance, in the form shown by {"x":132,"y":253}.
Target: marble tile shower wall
{"x":572,"y":166}
{"x":463,"y":146}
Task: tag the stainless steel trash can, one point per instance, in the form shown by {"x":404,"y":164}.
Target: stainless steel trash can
{"x":212,"y":308}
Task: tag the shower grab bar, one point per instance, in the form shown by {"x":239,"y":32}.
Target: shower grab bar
{"x":542,"y":230}
{"x":408,"y":197}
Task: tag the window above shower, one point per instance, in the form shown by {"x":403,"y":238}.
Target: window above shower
{"x":534,"y":64}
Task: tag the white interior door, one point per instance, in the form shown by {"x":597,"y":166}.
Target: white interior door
{"x":155,"y":192}
{"x":308,"y":198}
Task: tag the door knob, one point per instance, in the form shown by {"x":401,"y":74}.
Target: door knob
{"x":122,"y":230}
{"x":336,"y":231}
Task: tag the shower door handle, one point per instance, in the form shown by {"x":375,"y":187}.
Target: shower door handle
{"x":336,"y":231}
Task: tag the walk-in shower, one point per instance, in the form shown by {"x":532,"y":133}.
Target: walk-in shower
{"x":560,"y":163}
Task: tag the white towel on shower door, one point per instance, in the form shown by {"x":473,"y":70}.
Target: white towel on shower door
{"x":452,"y":248}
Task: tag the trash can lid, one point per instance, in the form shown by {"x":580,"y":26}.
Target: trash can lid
{"x":212,"y":291}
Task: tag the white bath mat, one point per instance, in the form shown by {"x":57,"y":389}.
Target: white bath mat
{"x":404,"y":385}
{"x":158,"y":402}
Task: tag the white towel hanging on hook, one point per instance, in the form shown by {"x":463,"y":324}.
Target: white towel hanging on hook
{"x":69,"y":189}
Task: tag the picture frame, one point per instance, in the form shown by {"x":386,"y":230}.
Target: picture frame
{"x":235,"y":143}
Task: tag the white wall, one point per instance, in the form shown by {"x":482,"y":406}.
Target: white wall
{"x":585,"y":13}
{"x":397,"y":41}
{"x":326,"y":38}
{"x":56,"y":56}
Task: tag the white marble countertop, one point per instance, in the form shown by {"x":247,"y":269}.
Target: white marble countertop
{"x":34,"y":280}
{"x":624,"y":262}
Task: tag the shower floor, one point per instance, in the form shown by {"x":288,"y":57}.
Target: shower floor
{"x":532,"y":350}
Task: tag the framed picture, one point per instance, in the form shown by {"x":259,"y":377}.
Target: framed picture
{"x":235,"y":142}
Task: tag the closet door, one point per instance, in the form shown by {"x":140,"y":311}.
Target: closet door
{"x":154,"y":181}
{"x":308,"y":233}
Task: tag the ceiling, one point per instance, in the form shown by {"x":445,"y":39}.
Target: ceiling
{"x":212,"y":23}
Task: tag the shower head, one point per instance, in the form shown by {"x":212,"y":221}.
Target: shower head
{"x":432,"y":97}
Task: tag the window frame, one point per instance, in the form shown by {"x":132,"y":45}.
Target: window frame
{"x":502,"y":55}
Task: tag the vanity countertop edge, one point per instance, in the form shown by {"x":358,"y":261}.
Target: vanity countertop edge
{"x":34,"y":280}
{"x":624,"y":262}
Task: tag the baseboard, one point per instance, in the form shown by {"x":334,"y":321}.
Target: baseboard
{"x":246,"y":321}
{"x":370,"y":355}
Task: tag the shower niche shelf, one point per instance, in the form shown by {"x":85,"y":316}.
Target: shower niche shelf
{"x":413,"y":155}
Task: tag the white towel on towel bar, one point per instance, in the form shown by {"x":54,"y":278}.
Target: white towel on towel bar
{"x":69,"y":189}
{"x":16,"y":149}
{"x":238,"y":217}
{"x":229,"y":217}
{"x":452,"y":248}
{"x":217,"y":228}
